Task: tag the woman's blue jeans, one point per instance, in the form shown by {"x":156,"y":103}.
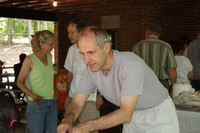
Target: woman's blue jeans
{"x":42,"y":118}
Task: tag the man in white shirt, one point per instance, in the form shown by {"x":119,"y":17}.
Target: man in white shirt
{"x":74,"y":63}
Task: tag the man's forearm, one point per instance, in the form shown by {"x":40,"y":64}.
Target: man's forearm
{"x":71,"y":113}
{"x":173,"y":75}
{"x":122,"y":115}
{"x":74,"y":108}
{"x":110,"y":120}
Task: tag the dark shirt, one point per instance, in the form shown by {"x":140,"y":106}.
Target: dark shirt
{"x":17,"y":68}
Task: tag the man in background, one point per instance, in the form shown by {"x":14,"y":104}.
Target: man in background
{"x":194,"y":57}
{"x":75,"y":64}
{"x":17,"y":68}
{"x":158,"y":55}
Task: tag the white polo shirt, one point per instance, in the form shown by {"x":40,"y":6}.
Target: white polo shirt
{"x":74,"y":63}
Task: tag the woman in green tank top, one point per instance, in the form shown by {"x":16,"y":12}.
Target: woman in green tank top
{"x":38,"y":68}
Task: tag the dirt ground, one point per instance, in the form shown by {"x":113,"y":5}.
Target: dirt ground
{"x":9,"y":53}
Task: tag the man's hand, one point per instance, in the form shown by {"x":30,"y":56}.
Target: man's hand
{"x":81,"y":128}
{"x":72,"y":112}
{"x":64,"y":127}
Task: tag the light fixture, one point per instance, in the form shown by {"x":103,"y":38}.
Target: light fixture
{"x":55,"y":3}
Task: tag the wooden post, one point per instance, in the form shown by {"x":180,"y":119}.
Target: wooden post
{"x":9,"y":40}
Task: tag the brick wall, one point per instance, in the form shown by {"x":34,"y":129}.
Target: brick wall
{"x":61,"y":43}
{"x":176,"y":19}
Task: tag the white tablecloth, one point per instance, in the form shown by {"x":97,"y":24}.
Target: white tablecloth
{"x":189,"y":121}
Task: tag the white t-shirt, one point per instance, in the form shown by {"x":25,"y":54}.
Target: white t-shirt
{"x":184,"y":66}
{"x":74,"y":63}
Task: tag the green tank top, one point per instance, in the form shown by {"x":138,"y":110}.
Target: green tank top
{"x":41,"y":77}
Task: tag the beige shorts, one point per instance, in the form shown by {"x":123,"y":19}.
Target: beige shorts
{"x":89,"y":112}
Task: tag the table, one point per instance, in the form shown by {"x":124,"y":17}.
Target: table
{"x":9,"y":77}
{"x":189,"y":120}
{"x":9,"y":90}
{"x":13,"y":93}
{"x":7,"y":80}
{"x":8,"y":84}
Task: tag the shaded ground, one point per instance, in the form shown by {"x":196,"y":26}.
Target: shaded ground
{"x":9,"y":53}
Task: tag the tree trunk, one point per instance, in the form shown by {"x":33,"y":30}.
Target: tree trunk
{"x":36,"y":26}
{"x":44,"y":25}
{"x":29,"y":30}
{"x":9,"y":30}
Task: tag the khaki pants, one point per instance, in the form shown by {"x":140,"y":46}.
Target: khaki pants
{"x":160,"y":119}
{"x":89,"y":112}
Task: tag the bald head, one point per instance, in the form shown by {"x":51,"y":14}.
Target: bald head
{"x":100,"y":34}
{"x":95,"y":46}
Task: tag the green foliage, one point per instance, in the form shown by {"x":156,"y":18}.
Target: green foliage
{"x":19,"y":26}
{"x":50,"y":26}
{"x":3,"y":27}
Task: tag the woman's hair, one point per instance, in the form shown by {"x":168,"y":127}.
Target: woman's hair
{"x":40,"y":37}
{"x":177,"y":46}
{"x":9,"y":115}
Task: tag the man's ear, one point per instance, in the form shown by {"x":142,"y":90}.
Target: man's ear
{"x":107,"y":46}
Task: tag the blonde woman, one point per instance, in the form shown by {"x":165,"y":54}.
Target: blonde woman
{"x":38,"y":67}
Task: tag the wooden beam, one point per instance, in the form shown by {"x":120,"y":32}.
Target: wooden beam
{"x":27,"y":14}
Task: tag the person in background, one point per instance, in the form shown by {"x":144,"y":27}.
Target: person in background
{"x":38,"y":67}
{"x":17,"y":68}
{"x":124,"y":80}
{"x":75,"y":64}
{"x":1,"y":66}
{"x":1,"y":71}
{"x":158,"y":55}
{"x":9,"y":115}
{"x":194,"y":57}
{"x":184,"y":67}
{"x":186,"y":42}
